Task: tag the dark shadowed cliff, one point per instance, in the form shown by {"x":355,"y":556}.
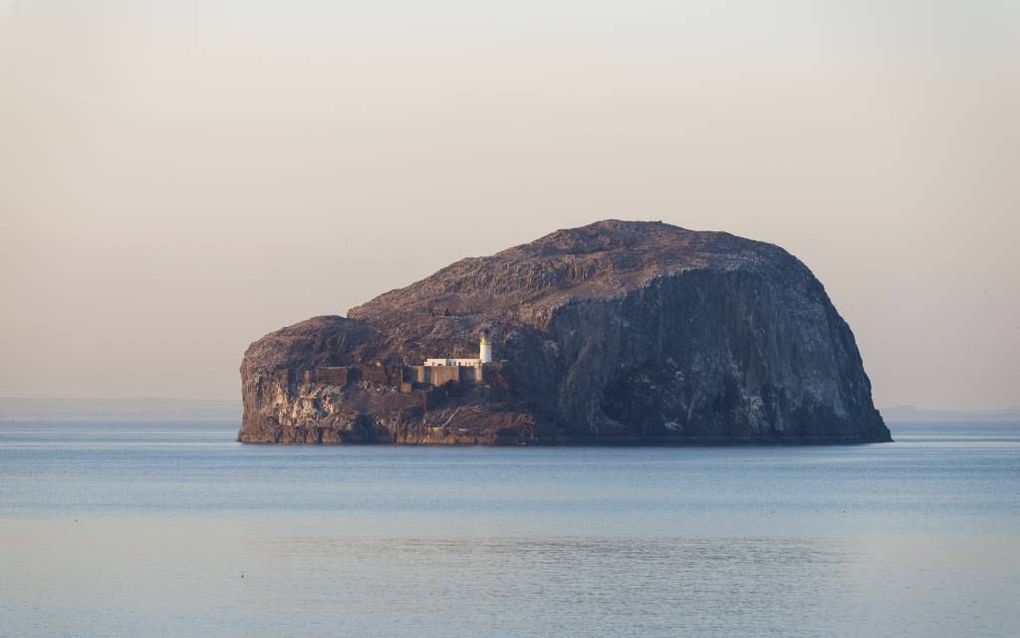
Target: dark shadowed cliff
{"x":617,"y":332}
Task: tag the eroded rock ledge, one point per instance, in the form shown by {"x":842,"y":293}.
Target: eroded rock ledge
{"x":613,"y":333}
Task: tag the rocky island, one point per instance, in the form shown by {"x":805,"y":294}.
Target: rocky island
{"x":613,"y":333}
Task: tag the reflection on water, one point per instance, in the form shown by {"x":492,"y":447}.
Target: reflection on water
{"x":618,"y":587}
{"x":124,"y":530}
{"x":127,"y":576}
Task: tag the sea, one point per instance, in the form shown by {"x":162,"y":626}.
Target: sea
{"x":162,"y":528}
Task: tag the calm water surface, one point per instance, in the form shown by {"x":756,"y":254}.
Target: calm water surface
{"x":147,"y":528}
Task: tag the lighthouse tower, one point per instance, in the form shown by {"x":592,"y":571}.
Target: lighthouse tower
{"x":484,"y":348}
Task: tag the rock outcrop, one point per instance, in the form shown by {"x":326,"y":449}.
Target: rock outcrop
{"x":615,"y":333}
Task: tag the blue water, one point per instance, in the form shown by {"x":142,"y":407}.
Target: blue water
{"x":147,"y":528}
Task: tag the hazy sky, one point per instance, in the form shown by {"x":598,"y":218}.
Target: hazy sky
{"x":178,"y":178}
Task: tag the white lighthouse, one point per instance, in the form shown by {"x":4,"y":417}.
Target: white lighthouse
{"x":484,"y":348}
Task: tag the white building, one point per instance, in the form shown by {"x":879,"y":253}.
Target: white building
{"x":485,"y":348}
{"x":484,"y":356}
{"x":466,"y":363}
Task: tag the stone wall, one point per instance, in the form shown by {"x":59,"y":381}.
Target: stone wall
{"x":441,"y":375}
{"x":336,"y":375}
{"x":407,"y":378}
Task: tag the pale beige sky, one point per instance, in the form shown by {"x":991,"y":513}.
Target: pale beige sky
{"x":179,"y":178}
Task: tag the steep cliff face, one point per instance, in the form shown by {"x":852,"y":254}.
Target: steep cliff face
{"x":617,"y":332}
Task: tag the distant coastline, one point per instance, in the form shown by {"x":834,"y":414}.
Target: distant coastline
{"x":909,"y":413}
{"x":161,"y":409}
{"x":121,"y":409}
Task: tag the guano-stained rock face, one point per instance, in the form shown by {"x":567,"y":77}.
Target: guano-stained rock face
{"x":616,"y":333}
